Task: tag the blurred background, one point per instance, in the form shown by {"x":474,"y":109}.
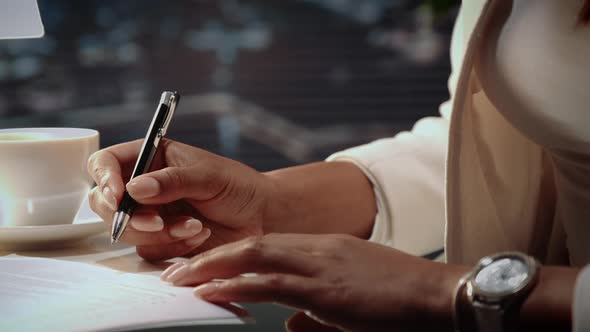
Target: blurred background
{"x":269,"y":83}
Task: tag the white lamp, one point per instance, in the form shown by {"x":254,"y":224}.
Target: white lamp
{"x":20,"y":19}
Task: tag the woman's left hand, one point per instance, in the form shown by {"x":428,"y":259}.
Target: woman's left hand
{"x":339,"y":280}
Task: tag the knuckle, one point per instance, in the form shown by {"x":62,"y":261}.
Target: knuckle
{"x":337,"y":242}
{"x":339,"y":291}
{"x":149,"y":254}
{"x":333,"y":243}
{"x":144,"y":253}
{"x":92,"y":193}
{"x":103,"y":179}
{"x":254,"y":247}
{"x":213,"y":181}
{"x":199,"y":258}
{"x":92,"y":162}
{"x":92,"y":196}
{"x":234,"y":283}
{"x":275,"y":282}
{"x":95,"y":201}
{"x":99,"y":175}
{"x":174,"y":176}
{"x":167,"y":144}
{"x":92,"y":200}
{"x":220,"y":178}
{"x":201,"y":264}
{"x":94,"y":165}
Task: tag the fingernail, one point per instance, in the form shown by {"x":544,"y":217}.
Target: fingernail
{"x":147,"y":223}
{"x":109,"y":197}
{"x":178,"y":274}
{"x":198,"y":239}
{"x":170,"y":269}
{"x":206,"y":290}
{"x":143,"y":187}
{"x":187,"y":229}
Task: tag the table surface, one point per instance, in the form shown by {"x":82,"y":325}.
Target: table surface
{"x":97,"y":250}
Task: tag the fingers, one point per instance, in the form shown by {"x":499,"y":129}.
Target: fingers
{"x":175,"y":249}
{"x":100,"y":204}
{"x":200,"y":182}
{"x":192,"y":173}
{"x":287,"y":289}
{"x":164,"y":235}
{"x":105,"y":168}
{"x":124,"y":153}
{"x":147,"y":227}
{"x":147,"y":221}
{"x":276,"y":253}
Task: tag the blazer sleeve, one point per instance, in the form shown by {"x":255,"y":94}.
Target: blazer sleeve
{"x":581,"y":305}
{"x":407,"y":172}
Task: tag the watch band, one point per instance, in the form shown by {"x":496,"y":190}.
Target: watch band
{"x":463,"y":315}
{"x":489,"y":319}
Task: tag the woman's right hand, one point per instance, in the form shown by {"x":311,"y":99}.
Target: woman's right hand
{"x":192,"y":201}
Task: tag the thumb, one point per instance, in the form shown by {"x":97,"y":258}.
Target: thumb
{"x":173,"y":183}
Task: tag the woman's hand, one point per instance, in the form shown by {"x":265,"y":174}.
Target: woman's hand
{"x":339,"y":280}
{"x":194,"y":200}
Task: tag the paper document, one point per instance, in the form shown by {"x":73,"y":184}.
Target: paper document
{"x":38,"y":294}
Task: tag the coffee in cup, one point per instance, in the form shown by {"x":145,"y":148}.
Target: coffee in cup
{"x":43,"y":177}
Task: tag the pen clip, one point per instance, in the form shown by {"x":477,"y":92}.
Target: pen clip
{"x":170,"y":99}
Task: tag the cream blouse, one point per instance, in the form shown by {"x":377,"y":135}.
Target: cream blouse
{"x":535,"y":68}
{"x":529,"y":64}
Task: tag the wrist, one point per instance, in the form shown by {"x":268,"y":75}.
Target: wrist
{"x":320,"y":198}
{"x":510,"y":291}
{"x":444,"y":287}
{"x":278,"y":210}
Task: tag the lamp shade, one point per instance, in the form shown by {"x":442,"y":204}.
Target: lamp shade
{"x":20,"y":19}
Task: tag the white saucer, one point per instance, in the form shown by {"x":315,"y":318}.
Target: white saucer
{"x":85,"y":225}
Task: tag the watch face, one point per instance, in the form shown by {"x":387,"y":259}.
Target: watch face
{"x":501,"y":276}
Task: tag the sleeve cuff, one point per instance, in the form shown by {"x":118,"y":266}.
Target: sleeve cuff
{"x":407,"y":173}
{"x":410,"y":204}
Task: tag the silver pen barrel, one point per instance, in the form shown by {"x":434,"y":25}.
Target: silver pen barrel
{"x":119,"y":224}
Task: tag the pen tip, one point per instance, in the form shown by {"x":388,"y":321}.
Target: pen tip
{"x":120,"y":221}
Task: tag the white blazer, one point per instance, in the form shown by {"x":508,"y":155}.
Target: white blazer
{"x":470,"y":181}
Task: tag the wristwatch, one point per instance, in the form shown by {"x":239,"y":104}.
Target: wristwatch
{"x":488,"y":299}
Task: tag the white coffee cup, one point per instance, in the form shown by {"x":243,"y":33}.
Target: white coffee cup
{"x":43,"y":176}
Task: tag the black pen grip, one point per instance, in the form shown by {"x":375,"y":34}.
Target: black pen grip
{"x":145,"y":162}
{"x":128,"y":204}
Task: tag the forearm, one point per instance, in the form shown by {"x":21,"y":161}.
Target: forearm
{"x":324,"y":197}
{"x":549,"y":306}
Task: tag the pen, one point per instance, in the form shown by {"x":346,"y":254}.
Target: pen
{"x":157,"y":130}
